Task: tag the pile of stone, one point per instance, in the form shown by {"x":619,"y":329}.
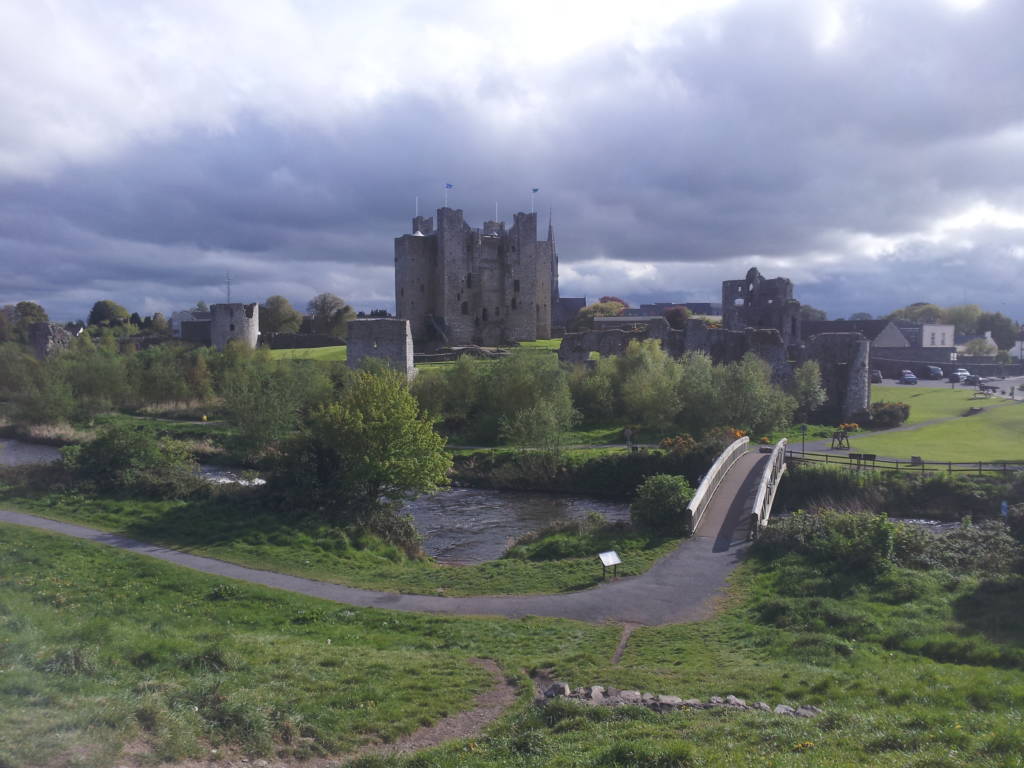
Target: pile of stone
{"x":598,"y":695}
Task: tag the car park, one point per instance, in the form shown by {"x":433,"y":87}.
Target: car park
{"x":932,"y":372}
{"x":908,"y":377}
{"x":959,"y":375}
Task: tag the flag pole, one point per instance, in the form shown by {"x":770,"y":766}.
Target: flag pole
{"x":446,"y":196}
{"x":417,"y":206}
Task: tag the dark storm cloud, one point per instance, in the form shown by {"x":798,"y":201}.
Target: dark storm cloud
{"x":754,"y":134}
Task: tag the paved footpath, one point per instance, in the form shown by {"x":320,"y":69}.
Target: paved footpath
{"x":680,"y":587}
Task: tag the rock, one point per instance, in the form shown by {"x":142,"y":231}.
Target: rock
{"x":649,"y":698}
{"x":611,"y":692}
{"x":807,"y":711}
{"x":261,"y":764}
{"x":695,"y":703}
{"x":732,"y":701}
{"x":716,"y":701}
{"x":594,"y":693}
{"x":580,"y":693}
{"x":557,"y":689}
{"x":762,"y":706}
{"x":668,"y":703}
{"x":630,"y":697}
{"x":782,"y":709}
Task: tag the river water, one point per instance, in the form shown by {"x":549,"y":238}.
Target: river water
{"x":463,"y":525}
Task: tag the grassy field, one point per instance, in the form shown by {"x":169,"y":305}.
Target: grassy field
{"x":233,"y":526}
{"x":329,"y":354}
{"x":927,"y":403}
{"x":102,"y":650}
{"x":995,"y":435}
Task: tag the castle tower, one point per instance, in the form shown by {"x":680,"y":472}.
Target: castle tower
{"x":239,"y":322}
{"x":458,"y":285}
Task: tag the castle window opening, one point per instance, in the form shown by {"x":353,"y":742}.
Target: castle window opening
{"x":469,"y":279}
{"x":232,"y":326}
{"x":514,"y":302}
{"x":497,"y":311}
{"x":515,"y":286}
{"x":465,"y":307}
{"x":485,"y":314}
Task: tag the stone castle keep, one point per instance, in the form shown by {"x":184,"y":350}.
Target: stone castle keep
{"x":459,"y":285}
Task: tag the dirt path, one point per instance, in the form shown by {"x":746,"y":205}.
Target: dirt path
{"x":487,"y":707}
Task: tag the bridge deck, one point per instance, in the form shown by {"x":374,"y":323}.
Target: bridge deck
{"x":680,"y":587}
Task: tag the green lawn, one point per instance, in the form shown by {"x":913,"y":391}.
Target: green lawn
{"x":995,"y":435}
{"x":233,"y":526}
{"x":100,"y":649}
{"x":330,"y":354}
{"x":927,"y":403}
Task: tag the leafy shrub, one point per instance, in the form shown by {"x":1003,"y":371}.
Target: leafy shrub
{"x":660,"y":504}
{"x":887,"y":415}
{"x":134,"y":459}
{"x":853,"y":542}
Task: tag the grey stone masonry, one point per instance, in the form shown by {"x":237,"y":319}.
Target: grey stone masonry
{"x":46,"y":339}
{"x":383,"y":338}
{"x":457,"y":285}
{"x":235,"y":322}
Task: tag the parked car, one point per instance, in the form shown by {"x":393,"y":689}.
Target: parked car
{"x":876,"y":376}
{"x":908,"y":377}
{"x":959,"y":375}
{"x":932,"y":372}
{"x":972,"y":378}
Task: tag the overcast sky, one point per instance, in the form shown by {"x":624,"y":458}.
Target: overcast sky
{"x":870,"y":150}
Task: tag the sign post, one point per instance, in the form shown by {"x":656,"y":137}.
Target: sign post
{"x":610,"y":558}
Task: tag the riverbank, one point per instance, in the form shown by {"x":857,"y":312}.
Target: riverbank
{"x":237,"y":525}
{"x":904,"y":665}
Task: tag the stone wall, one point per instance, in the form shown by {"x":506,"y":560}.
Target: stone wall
{"x":756,"y":302}
{"x":300,"y":340}
{"x":844,"y":359}
{"x":47,"y":339}
{"x":238,"y":322}
{"x":383,"y":338}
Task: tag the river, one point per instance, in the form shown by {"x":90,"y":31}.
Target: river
{"x":463,"y":525}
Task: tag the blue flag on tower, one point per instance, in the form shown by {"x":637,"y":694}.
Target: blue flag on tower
{"x":449,"y":186}
{"x":536,"y":190}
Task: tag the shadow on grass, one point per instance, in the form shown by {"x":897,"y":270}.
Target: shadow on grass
{"x":993,"y":609}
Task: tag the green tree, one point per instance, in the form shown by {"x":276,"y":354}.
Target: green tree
{"x":159,"y":324}
{"x":677,"y":316}
{"x":980,"y":347}
{"x":807,"y":389}
{"x":593,"y":390}
{"x":649,"y":384}
{"x":132,"y":458}
{"x":107,"y":312}
{"x":278,"y":315}
{"x":700,"y":406}
{"x":660,"y":504}
{"x":964,"y":316}
{"x":919,"y":312}
{"x":1004,"y":330}
{"x":330,"y":314}
{"x":861,"y":316}
{"x":27,"y":313}
{"x":358,"y":459}
{"x":809,"y":313}
{"x":755,"y":404}
{"x":584,"y":319}
{"x":520,"y":383}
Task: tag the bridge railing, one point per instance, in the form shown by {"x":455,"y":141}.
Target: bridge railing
{"x":767,"y":488}
{"x":706,"y":490}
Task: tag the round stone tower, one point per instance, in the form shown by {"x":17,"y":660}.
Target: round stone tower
{"x":235,"y":321}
